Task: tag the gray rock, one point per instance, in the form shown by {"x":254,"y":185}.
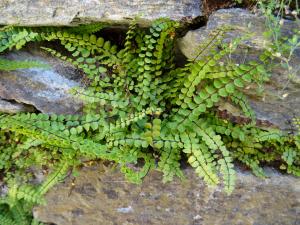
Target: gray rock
{"x":102,"y":196}
{"x":241,"y":21}
{"x":12,"y":107}
{"x":47,"y":89}
{"x":281,"y":98}
{"x":70,"y":12}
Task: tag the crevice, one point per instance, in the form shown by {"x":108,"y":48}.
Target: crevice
{"x":116,"y":35}
{"x":27,"y":107}
{"x":198,"y":22}
{"x":188,"y":24}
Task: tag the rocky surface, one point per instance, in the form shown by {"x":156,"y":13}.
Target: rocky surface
{"x":102,"y":196}
{"x":46,"y":89}
{"x":242,"y":23}
{"x":281,"y":98}
{"x":13,"y":107}
{"x":71,"y":12}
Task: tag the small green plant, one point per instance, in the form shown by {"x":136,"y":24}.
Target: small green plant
{"x":142,"y":112}
{"x":297,"y":123}
{"x":283,"y":47}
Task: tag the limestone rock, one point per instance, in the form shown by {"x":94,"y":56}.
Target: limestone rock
{"x":281,"y":98}
{"x":102,"y":196}
{"x":47,"y":89}
{"x":70,"y":12}
{"x":12,"y":107}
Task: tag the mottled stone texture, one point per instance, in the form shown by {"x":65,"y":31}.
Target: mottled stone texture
{"x":102,"y":196}
{"x":70,"y":12}
{"x":46,"y":89}
{"x":13,"y":107}
{"x":281,"y":98}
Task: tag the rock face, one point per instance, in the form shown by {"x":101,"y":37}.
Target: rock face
{"x":102,"y":196}
{"x":45,"y":89}
{"x":241,"y":21}
{"x":71,"y":12}
{"x":281,"y":98}
{"x":12,"y":107}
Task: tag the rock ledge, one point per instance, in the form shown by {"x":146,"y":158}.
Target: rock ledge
{"x":102,"y":196}
{"x":71,"y":12}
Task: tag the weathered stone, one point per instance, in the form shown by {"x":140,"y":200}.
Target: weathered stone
{"x":47,"y":89}
{"x":242,"y":22}
{"x":102,"y":196}
{"x":70,"y":12}
{"x":13,"y":107}
{"x":281,"y":98}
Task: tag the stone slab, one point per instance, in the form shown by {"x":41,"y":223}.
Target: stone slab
{"x":71,"y":12}
{"x":102,"y":196}
{"x":46,"y":89}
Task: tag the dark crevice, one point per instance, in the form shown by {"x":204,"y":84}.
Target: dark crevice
{"x":115,"y":35}
{"x":210,"y":6}
{"x":31,"y":108}
{"x":188,"y":24}
{"x":198,"y":22}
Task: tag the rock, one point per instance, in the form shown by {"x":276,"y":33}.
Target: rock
{"x":281,"y":98}
{"x":46,"y":89}
{"x":240,"y":20}
{"x":12,"y":107}
{"x":102,"y":196}
{"x":71,"y":12}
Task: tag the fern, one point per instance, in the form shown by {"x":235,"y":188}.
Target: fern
{"x":8,"y":65}
{"x":143,"y":112}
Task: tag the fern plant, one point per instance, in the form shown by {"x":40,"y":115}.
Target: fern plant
{"x":142,"y":112}
{"x":8,"y":65}
{"x":297,"y":123}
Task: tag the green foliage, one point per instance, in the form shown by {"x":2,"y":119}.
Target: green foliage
{"x":142,"y":112}
{"x":8,"y":65}
{"x":297,"y":123}
{"x":284,"y":45}
{"x":21,"y":198}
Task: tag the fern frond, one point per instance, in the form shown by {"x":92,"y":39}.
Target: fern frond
{"x":6,"y":219}
{"x":16,"y":37}
{"x":215,"y":38}
{"x":215,"y":143}
{"x":86,"y":28}
{"x":19,"y":215}
{"x":29,"y":194}
{"x":54,"y":177}
{"x":240,"y":99}
{"x":8,"y":65}
{"x":201,"y":159}
{"x":140,"y":111}
{"x":136,"y":176}
{"x":169,"y":161}
{"x":254,"y":165}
